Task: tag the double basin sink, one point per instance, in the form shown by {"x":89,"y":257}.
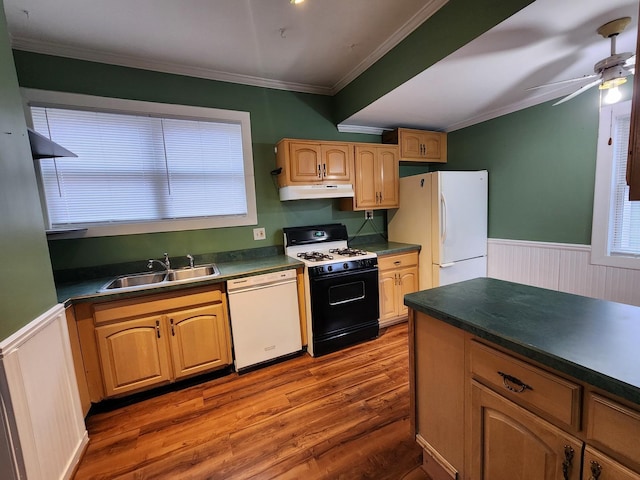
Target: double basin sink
{"x":140,"y":280}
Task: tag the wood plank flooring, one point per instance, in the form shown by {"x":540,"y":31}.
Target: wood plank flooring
{"x":339,"y":416}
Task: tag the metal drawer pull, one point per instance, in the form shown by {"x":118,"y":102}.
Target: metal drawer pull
{"x":568,"y":458}
{"x":507,"y":380}
{"x":158,"y":328}
{"x":596,"y":470}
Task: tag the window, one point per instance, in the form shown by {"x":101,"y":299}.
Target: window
{"x":143,"y":167}
{"x":616,"y":220}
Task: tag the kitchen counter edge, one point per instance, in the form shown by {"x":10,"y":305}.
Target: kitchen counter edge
{"x":588,"y":339}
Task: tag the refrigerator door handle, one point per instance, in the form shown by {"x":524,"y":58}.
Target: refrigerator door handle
{"x":443,"y":217}
{"x":446,"y":265}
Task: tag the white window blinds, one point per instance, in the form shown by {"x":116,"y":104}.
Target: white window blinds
{"x":137,"y":168}
{"x":625,"y":215}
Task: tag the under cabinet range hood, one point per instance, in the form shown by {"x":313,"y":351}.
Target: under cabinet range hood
{"x":42,"y":147}
{"x":307,"y":192}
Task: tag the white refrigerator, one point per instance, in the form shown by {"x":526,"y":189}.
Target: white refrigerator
{"x":445,"y":213}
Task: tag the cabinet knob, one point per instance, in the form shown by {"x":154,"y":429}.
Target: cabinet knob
{"x":596,"y":470}
{"x":397,"y":262}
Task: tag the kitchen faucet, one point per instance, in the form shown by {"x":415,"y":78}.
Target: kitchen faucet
{"x":166,"y":264}
{"x":190,"y":257}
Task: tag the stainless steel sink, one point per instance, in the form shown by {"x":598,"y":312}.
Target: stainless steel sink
{"x":126,"y":281}
{"x":195,"y":272}
{"x":142,"y":280}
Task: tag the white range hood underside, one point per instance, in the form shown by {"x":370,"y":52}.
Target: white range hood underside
{"x":306,"y":192}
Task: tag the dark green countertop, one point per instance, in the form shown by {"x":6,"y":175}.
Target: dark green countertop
{"x":84,"y":285}
{"x":87,"y":290}
{"x":390,"y":248}
{"x":592,"y":340}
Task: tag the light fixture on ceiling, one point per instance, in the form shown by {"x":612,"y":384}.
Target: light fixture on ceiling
{"x":609,"y":73}
{"x":296,"y":2}
{"x":613,"y":95}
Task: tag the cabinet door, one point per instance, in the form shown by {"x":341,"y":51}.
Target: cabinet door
{"x":411,"y":144}
{"x":305,"y":163}
{"x":133,"y":354}
{"x":366,"y":175}
{"x":435,"y":147}
{"x":198,"y":340}
{"x":336,"y":162}
{"x":388,"y":295}
{"x":598,"y":466}
{"x":407,"y":283}
{"x":388,"y":177}
{"x":511,"y":443}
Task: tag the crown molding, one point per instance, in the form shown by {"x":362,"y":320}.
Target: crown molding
{"x":49,"y":48}
{"x":414,"y":22}
{"x":91,"y":55}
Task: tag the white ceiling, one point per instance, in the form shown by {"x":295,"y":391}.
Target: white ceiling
{"x":321,"y":45}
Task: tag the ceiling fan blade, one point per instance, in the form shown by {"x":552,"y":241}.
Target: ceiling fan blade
{"x":562,"y":82}
{"x":578,"y":92}
{"x":630,"y":61}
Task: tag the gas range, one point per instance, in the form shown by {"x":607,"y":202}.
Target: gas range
{"x":341,"y":287}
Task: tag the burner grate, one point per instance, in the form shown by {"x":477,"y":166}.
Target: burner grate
{"x":348,"y":252}
{"x":315,"y":256}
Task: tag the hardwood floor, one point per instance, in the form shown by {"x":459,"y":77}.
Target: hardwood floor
{"x":340,"y":416}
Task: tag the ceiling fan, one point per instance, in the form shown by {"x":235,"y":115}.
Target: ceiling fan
{"x":609,"y":72}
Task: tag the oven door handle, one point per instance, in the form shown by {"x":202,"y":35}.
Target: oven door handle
{"x":342,"y":302}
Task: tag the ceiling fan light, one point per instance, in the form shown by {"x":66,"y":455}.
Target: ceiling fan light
{"x":613,"y":83}
{"x":612,"y":96}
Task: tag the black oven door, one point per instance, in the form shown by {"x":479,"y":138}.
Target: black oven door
{"x":344,"y":308}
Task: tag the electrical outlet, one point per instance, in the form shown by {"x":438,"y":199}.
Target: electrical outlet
{"x":368,"y":214}
{"x":259,"y":234}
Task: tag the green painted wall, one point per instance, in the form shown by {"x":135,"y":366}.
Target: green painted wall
{"x":26,"y":281}
{"x":454,"y":25}
{"x":274,"y":114}
{"x":541,"y":164}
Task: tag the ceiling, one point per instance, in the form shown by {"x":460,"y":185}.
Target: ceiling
{"x":322,"y":45}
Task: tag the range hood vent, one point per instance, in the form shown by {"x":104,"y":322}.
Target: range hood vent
{"x":42,"y":147}
{"x":307,"y":192}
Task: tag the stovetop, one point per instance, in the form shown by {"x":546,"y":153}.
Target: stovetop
{"x":321,"y":245}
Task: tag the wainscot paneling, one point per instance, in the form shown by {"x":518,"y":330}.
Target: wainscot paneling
{"x":43,"y":428}
{"x":563,"y":267}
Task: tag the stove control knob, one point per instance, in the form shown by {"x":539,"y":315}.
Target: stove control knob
{"x":329,"y":268}
{"x":346,"y":266}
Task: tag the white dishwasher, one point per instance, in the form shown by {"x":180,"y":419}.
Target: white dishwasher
{"x":265,"y":320}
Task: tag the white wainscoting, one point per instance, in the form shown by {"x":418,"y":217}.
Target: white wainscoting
{"x":561,"y":266}
{"x":43,"y":422}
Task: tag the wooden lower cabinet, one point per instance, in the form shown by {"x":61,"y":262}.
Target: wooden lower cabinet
{"x":398,"y":275}
{"x":198,"y":340}
{"x":598,"y":466}
{"x":481,"y":412}
{"x":133,"y":355}
{"x":511,"y":443}
{"x":142,"y":342}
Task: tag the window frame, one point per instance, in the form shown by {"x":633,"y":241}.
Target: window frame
{"x":603,"y":194}
{"x":45,"y":98}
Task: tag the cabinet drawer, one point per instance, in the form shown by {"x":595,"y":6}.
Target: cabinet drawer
{"x":543,"y":391}
{"x":613,"y":426}
{"x":387,"y":262}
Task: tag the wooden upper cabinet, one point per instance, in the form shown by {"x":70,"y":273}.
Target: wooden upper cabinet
{"x":633,"y":161}
{"x":419,"y":145}
{"x":308,"y":162}
{"x":376,"y":178}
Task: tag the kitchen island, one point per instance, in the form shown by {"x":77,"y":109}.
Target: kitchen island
{"x":518,"y":382}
